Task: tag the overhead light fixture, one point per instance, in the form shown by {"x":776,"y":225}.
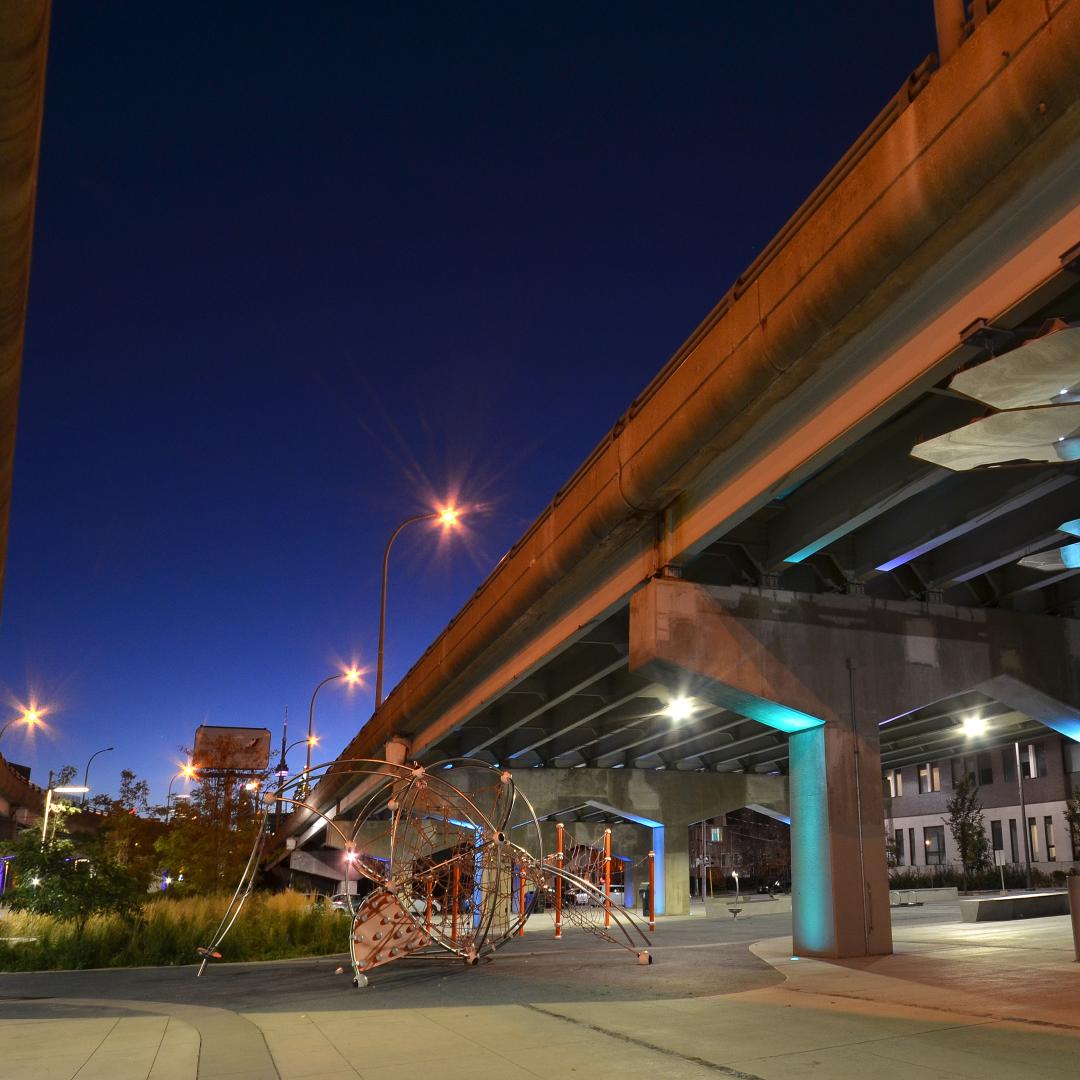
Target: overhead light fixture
{"x":973,"y":726}
{"x":680,"y":708}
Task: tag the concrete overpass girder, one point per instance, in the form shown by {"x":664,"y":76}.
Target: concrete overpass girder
{"x":845,"y":664}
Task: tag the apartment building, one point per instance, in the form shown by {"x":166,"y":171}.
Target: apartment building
{"x":916,"y":798}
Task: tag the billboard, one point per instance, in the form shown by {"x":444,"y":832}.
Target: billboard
{"x":239,"y":749}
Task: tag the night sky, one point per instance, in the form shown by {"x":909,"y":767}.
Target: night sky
{"x":301,"y":270}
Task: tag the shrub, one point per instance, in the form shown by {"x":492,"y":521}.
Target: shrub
{"x":168,"y":931}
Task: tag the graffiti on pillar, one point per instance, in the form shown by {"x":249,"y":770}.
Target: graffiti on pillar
{"x":431,"y":867}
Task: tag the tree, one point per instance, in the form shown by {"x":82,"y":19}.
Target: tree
{"x":134,"y":793}
{"x":211,"y":833}
{"x":965,"y":822}
{"x":65,"y":776}
{"x":68,"y":877}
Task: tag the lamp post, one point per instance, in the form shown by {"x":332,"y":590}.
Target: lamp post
{"x":30,"y":717}
{"x":447,"y":517}
{"x":282,"y":771}
{"x":352,"y":678}
{"x":86,"y":771}
{"x":1023,"y":815}
{"x":68,"y":789}
{"x":188,"y":772}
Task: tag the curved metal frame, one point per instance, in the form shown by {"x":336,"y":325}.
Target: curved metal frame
{"x":400,"y":792}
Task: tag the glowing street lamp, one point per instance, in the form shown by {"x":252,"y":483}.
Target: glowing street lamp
{"x":352,"y":677}
{"x":448,"y":517}
{"x":188,"y":771}
{"x":31,"y":717}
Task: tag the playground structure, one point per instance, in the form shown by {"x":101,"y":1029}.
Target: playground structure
{"x":442,"y":876}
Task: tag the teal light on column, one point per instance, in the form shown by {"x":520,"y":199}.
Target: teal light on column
{"x":770,"y":713}
{"x":660,"y":900}
{"x":811,"y":865}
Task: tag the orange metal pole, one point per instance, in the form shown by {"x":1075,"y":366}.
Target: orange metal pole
{"x":652,"y":891}
{"x":607,"y":877}
{"x":427,"y":918}
{"x":521,"y":900}
{"x":454,"y":902}
{"x":558,"y":880}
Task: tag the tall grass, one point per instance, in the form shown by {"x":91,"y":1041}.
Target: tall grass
{"x":167,"y":931}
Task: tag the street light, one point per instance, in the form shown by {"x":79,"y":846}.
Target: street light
{"x":974,"y":726}
{"x":188,"y":772}
{"x":86,"y":771}
{"x":352,"y":678}
{"x":448,"y":517}
{"x":31,"y":717}
{"x":67,"y":789}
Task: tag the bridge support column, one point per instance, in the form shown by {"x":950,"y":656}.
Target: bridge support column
{"x":770,"y":669}
{"x":839,"y":876}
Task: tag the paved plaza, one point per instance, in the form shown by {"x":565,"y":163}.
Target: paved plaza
{"x":724,"y":998}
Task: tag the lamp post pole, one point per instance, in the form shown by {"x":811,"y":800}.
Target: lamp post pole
{"x":69,"y":789}
{"x":448,"y":517}
{"x":352,"y":677}
{"x":86,"y":771}
{"x":1023,"y":815}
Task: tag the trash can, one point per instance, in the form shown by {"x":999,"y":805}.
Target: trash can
{"x":643,"y":892}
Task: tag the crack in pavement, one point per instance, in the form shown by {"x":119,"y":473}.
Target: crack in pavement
{"x":704,"y":1063}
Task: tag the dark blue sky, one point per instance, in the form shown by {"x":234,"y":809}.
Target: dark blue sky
{"x":301,"y":268}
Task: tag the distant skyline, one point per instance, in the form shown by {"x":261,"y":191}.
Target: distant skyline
{"x":301,"y":272}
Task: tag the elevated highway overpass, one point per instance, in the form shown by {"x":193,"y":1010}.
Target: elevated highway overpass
{"x":781,"y":531}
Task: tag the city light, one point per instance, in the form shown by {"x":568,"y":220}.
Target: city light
{"x":973,"y":726}
{"x":353,"y":676}
{"x":71,"y":789}
{"x":188,"y":771}
{"x":449,"y":516}
{"x":680,"y":708}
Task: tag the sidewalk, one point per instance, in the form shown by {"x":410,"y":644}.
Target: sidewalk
{"x":987,"y":1001}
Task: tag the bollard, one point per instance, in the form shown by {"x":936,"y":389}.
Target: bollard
{"x":1074,"y":911}
{"x":652,"y":891}
{"x":607,"y":877}
{"x":558,"y":879}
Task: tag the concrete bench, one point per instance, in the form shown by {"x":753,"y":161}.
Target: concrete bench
{"x":1018,"y":906}
{"x":918,"y":897}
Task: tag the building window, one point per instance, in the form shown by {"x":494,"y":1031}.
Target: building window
{"x":986,"y":769}
{"x":1033,"y":838}
{"x":1033,"y":760}
{"x":996,"y":839}
{"x":929,"y":778}
{"x":912,"y":854}
{"x":934,"y":842}
{"x":1008,"y":764}
{"x":895,"y":782}
{"x":714,"y":834}
{"x":1013,"y":847}
{"x":1048,"y":832}
{"x":899,"y":847}
{"x":1072,"y":751}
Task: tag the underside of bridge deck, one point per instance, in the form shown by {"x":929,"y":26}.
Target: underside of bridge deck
{"x":877,"y":425}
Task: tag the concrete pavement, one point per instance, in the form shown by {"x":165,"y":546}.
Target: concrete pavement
{"x":723,"y":999}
